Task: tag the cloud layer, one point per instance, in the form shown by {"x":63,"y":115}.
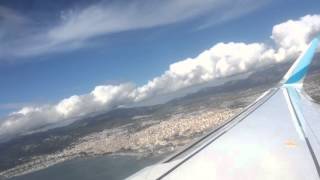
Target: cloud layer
{"x":76,"y":27}
{"x":223,"y":59}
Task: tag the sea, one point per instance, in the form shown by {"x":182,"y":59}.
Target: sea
{"x":109,"y":167}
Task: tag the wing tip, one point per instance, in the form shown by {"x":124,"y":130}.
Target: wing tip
{"x":299,"y":69}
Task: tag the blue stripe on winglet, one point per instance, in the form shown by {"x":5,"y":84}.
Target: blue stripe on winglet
{"x":303,"y":66}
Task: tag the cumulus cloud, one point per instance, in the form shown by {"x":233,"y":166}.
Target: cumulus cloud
{"x":294,"y":35}
{"x":222,"y":60}
{"x":76,"y":27}
{"x":32,"y":118}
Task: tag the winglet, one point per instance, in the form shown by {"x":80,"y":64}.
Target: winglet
{"x":299,"y":69}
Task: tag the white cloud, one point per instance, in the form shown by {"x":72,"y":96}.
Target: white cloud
{"x":294,"y":36}
{"x":30,"y":118}
{"x":101,"y":19}
{"x":69,"y":105}
{"x":233,"y":10}
{"x":77,"y":26}
{"x":26,"y":110}
{"x":223,"y":59}
{"x":108,"y":94}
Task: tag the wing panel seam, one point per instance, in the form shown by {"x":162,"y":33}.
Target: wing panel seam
{"x":314,"y":158}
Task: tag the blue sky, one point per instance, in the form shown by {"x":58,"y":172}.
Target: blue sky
{"x":130,"y":55}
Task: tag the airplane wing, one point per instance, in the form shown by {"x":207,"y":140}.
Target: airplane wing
{"x":276,"y":137}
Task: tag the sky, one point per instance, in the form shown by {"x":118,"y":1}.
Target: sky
{"x":63,"y":59}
